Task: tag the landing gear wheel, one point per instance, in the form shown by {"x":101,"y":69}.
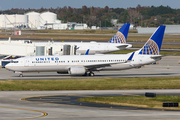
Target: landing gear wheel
{"x":91,"y":74}
{"x":21,"y":75}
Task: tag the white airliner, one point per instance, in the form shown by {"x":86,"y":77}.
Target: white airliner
{"x":117,"y":42}
{"x":83,"y":64}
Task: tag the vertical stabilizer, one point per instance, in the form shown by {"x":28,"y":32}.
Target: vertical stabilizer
{"x":121,"y":35}
{"x":153,"y":45}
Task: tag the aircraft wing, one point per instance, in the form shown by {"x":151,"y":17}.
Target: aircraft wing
{"x":95,"y":66}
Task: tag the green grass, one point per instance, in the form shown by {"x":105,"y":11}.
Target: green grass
{"x":136,"y":101}
{"x":92,"y":84}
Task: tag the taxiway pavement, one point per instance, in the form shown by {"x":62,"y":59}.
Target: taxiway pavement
{"x":13,"y":107}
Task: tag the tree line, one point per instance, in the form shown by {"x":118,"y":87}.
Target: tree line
{"x":144,"y":16}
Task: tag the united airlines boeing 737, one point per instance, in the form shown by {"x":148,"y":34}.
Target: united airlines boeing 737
{"x":87,"y":64}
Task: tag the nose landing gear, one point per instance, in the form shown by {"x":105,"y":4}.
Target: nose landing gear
{"x":20,"y":73}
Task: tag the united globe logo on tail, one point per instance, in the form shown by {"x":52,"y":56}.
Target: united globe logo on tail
{"x":150,"y":48}
{"x":118,"y":38}
{"x":153,"y":45}
{"x":121,"y":35}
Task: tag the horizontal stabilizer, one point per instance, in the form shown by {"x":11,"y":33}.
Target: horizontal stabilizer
{"x":157,"y":56}
{"x":122,"y":46}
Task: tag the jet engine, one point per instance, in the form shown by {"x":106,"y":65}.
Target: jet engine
{"x":77,"y":70}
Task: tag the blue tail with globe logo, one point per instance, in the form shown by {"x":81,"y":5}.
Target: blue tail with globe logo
{"x":153,"y":45}
{"x":121,"y":35}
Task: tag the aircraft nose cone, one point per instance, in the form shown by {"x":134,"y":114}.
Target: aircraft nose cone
{"x":7,"y":66}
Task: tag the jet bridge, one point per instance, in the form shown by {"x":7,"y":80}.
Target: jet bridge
{"x":28,"y":48}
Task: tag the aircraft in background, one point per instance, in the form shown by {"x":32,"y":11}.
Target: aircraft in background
{"x":84,"y":64}
{"x":117,"y":42}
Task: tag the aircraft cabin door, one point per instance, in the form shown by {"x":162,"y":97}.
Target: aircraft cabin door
{"x":26,"y":62}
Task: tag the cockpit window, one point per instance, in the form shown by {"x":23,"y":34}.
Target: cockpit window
{"x":13,"y":61}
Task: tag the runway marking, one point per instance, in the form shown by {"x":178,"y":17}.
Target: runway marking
{"x":44,"y":113}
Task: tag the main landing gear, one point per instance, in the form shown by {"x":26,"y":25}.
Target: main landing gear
{"x":20,"y":75}
{"x":91,"y":74}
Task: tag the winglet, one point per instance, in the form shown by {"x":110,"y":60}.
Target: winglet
{"x":87,"y":52}
{"x":121,"y":35}
{"x":130,"y":58}
{"x":153,"y":45}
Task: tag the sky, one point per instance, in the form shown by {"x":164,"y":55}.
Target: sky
{"x":37,"y":4}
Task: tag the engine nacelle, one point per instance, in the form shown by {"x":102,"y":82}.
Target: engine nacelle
{"x":77,"y":70}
